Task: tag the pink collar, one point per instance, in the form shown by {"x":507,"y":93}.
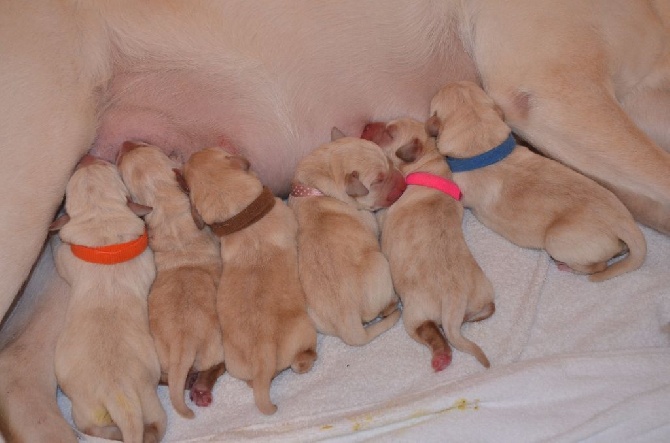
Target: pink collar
{"x":436,"y":182}
{"x":300,"y":190}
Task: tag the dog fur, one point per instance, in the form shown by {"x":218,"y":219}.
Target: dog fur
{"x":260,"y":301}
{"x":105,"y":360}
{"x":586,"y":82}
{"x":182,"y":301}
{"x":531,"y":200}
{"x":346,"y":277}
{"x":433,"y":270}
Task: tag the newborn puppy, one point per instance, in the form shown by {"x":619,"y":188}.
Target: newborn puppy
{"x":531,"y":200}
{"x":346,"y":277}
{"x":105,"y":360}
{"x":260,"y":301}
{"x":182,"y":301}
{"x":433,"y":270}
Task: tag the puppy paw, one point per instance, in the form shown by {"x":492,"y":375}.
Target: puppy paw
{"x":441,"y":359}
{"x":304,"y":361}
{"x":201,"y":397}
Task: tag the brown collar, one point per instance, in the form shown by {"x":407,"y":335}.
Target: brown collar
{"x":248,"y":216}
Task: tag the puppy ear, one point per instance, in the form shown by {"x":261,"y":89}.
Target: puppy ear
{"x":433,"y":125}
{"x":138,"y":209}
{"x":354,"y":186}
{"x":240,"y":162}
{"x":500,"y":112}
{"x":336,"y":134}
{"x":197,"y":218}
{"x":409,"y":152}
{"x":181,"y":180}
{"x":60,"y":221}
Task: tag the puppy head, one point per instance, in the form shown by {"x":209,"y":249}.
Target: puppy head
{"x":146,"y":171}
{"x":353,"y":170}
{"x":465,"y":120}
{"x":220,"y":184}
{"x":404,"y":141}
{"x":98,"y":206}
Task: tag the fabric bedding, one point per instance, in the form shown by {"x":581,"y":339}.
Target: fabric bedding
{"x":571,"y":361}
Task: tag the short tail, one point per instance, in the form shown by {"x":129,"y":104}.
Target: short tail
{"x":181,"y":361}
{"x":452,"y":319}
{"x":264,"y":372}
{"x":354,"y":334}
{"x":125,"y":409}
{"x":637,"y":251}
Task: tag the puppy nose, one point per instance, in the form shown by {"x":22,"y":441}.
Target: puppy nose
{"x":373,"y":131}
{"x":126,"y":147}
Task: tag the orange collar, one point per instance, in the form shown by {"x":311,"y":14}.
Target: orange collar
{"x":112,"y":254}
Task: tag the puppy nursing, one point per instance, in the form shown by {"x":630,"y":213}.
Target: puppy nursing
{"x":531,"y":200}
{"x":346,"y":278}
{"x":182,"y":301}
{"x":433,"y":270}
{"x":105,"y":358}
{"x":260,"y":301}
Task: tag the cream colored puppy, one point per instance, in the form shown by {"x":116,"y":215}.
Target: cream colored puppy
{"x":260,"y":301}
{"x":105,"y":360}
{"x":182,"y":301}
{"x":346,"y":277}
{"x":433,"y":270}
{"x":529,"y":199}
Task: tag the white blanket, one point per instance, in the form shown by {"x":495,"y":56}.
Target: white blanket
{"x":571,"y":361}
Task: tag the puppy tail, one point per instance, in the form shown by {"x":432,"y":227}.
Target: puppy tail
{"x":354,"y":334}
{"x":125,"y":409}
{"x":180,"y":364}
{"x":452,"y":319}
{"x":264,"y":372}
{"x":634,"y":239}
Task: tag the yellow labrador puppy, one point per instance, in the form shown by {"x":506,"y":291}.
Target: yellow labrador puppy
{"x":260,"y":301}
{"x":529,"y":199}
{"x":105,"y":360}
{"x":182,"y":301}
{"x":346,"y":277}
{"x":433,"y":270}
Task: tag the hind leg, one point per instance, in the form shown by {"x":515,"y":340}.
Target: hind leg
{"x":201,"y":391}
{"x":303,"y":361}
{"x":47,"y":104}
{"x":28,"y":408}
{"x":155,"y":419}
{"x":429,"y":334}
{"x":562,"y":99}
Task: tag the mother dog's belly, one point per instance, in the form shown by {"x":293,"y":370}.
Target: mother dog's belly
{"x":275,"y":95}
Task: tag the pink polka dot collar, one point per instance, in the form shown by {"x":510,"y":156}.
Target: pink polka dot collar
{"x":300,"y":190}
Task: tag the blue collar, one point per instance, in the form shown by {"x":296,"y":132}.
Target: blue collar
{"x":485,"y":159}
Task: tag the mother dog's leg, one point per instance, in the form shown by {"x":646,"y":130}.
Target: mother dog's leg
{"x":28,"y":408}
{"x":557,"y":78}
{"x":49,"y":70}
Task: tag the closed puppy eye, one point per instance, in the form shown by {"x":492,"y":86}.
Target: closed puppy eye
{"x":379,"y":179}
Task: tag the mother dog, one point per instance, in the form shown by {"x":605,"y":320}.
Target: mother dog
{"x":585,"y":81}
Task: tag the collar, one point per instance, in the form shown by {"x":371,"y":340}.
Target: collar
{"x":482,"y":160}
{"x":436,"y":182}
{"x":301,"y":190}
{"x":112,"y":254}
{"x":256,"y":210}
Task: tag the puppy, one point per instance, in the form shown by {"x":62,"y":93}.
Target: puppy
{"x":531,"y":200}
{"x":260,"y":301}
{"x":182,"y":301}
{"x":105,"y":359}
{"x":346,"y":277}
{"x":433,"y":270}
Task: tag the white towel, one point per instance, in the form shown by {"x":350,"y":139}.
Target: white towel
{"x":571,"y":360}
